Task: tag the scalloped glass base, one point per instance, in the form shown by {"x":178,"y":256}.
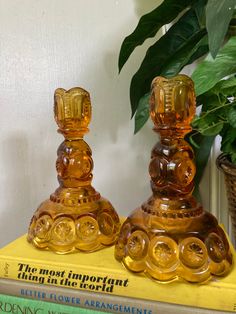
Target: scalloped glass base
{"x":61,"y":226}
{"x":188,"y":247}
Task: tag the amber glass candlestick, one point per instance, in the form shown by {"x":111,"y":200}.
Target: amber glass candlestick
{"x":170,"y":236}
{"x":75,"y":217}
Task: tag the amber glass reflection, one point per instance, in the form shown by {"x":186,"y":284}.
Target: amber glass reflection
{"x":75,"y":217}
{"x":170,"y":236}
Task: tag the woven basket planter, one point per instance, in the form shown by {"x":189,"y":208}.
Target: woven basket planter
{"x":229,"y":171}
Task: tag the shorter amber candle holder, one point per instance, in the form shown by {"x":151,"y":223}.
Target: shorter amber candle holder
{"x":75,"y":217}
{"x":170,"y":237}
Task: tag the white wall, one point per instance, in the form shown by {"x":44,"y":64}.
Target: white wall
{"x":65,"y":43}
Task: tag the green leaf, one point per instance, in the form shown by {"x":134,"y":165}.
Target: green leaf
{"x":218,"y":16}
{"x":209,"y":101}
{"x":149,"y":25}
{"x":202,"y":153}
{"x":213,"y":130}
{"x":211,"y":121}
{"x":211,"y":71}
{"x":233,"y":158}
{"x":185,"y":33}
{"x":232,"y":117}
{"x":196,"y":193}
{"x":200,"y":9}
{"x":201,"y":51}
{"x":225,"y":87}
{"x":212,"y":118}
{"x":142,"y":113}
{"x":208,"y":124}
{"x":228,"y":143}
{"x":183,"y":57}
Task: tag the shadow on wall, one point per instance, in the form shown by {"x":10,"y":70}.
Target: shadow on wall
{"x":16,"y":186}
{"x":21,"y":179}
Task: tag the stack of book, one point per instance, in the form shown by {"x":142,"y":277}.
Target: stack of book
{"x":37,"y":282}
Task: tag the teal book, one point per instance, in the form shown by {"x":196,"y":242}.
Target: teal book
{"x":17,"y":305}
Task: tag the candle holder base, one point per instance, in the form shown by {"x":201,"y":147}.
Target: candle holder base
{"x":154,"y":245}
{"x":65,"y":224}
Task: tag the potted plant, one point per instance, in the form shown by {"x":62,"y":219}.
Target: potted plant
{"x":198,"y":28}
{"x":217,"y":97}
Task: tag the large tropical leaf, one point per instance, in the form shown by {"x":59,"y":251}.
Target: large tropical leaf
{"x":184,"y":55}
{"x":149,"y":25}
{"x":182,"y":37}
{"x":210,"y":71}
{"x":202,"y":150}
{"x":218,"y":16}
{"x":200,"y":9}
{"x":201,"y":51}
{"x":142,"y":113}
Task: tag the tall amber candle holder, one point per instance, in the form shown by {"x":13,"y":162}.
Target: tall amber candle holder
{"x":75,"y":217}
{"x":170,"y":236}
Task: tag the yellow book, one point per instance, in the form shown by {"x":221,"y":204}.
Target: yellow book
{"x":100,"y":272}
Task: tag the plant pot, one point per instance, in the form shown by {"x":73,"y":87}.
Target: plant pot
{"x":229,"y":171}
